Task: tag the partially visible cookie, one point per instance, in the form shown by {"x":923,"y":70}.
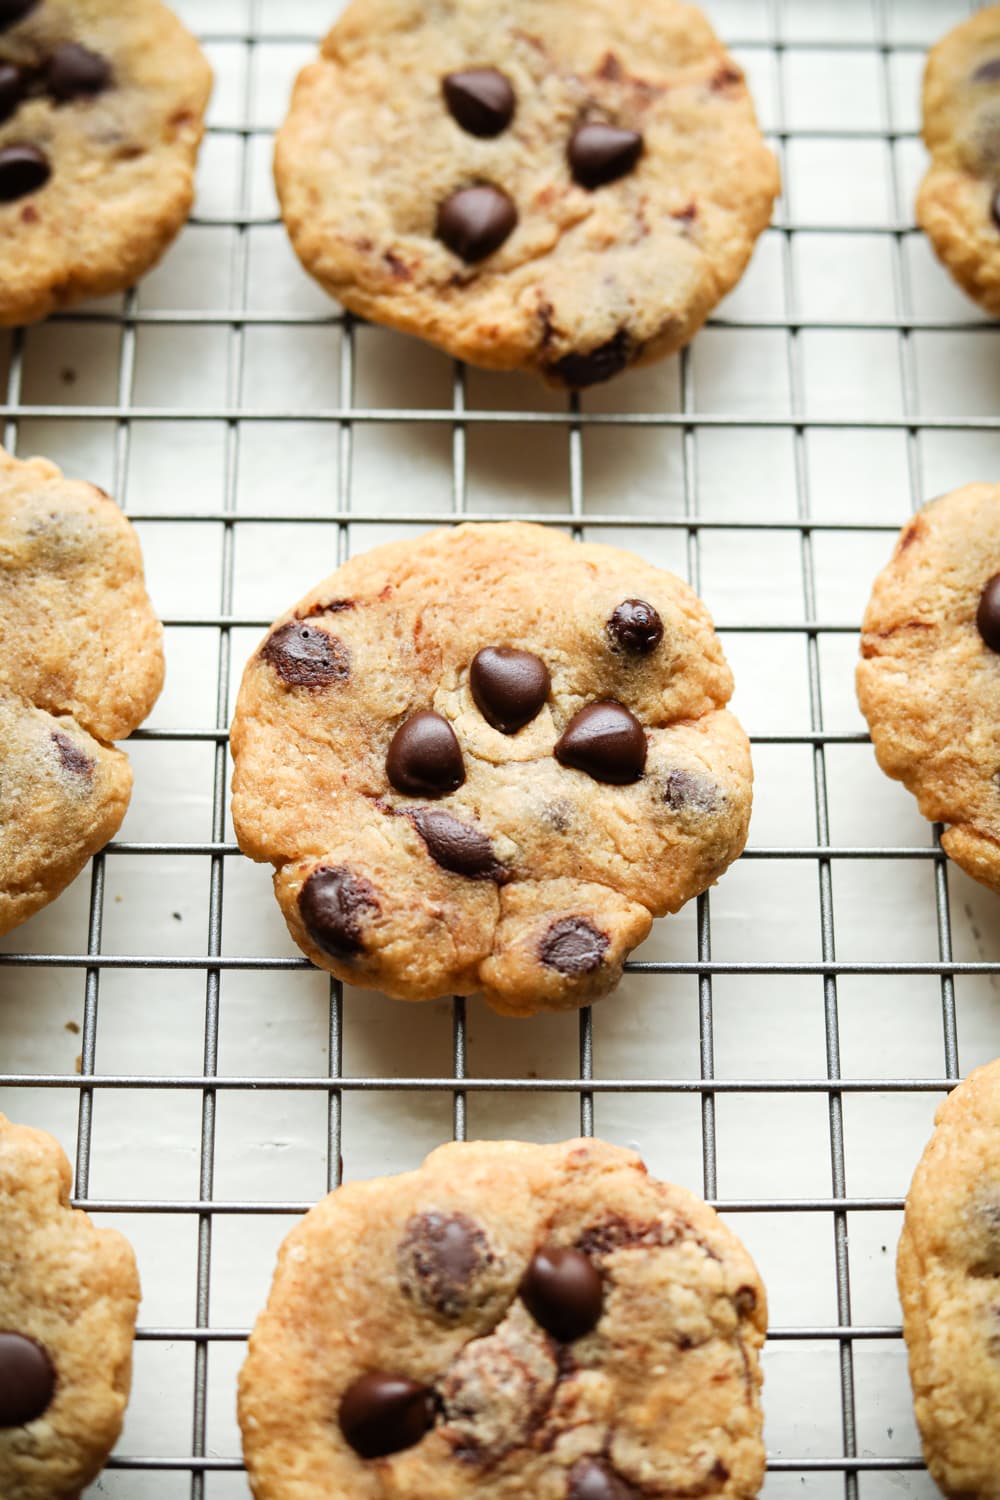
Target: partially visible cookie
{"x":948,"y":1266}
{"x":81,"y":664}
{"x":101,"y":114}
{"x":929,"y":678}
{"x":483,"y":759}
{"x":565,"y":186}
{"x":69,"y":1293}
{"x":959,"y":199}
{"x":543,"y":1321}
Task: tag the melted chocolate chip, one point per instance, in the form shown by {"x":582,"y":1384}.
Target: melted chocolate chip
{"x":988,"y":615}
{"x":439,"y":1257}
{"x":599,"y":153}
{"x":563,"y":1292}
{"x":424,"y":757}
{"x":27,"y":1380}
{"x":23,"y":170}
{"x":578,"y":370}
{"x":456,"y":846}
{"x":593,"y":1479}
{"x":72,"y":756}
{"x":305,"y":656}
{"x":382,"y":1413}
{"x":509,"y":687}
{"x":74,"y":70}
{"x":745,"y":1299}
{"x":481,"y":100}
{"x":573,"y":946}
{"x":987,"y":72}
{"x":12,"y":11}
{"x":606,"y":742}
{"x":475,"y":221}
{"x":636,"y":627}
{"x":333,"y":903}
{"x":683,"y":791}
{"x":11,"y":90}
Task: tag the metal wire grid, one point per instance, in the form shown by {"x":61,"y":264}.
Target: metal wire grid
{"x":346,"y":417}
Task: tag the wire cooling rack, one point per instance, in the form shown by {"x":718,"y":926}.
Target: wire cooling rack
{"x":782,"y":1044}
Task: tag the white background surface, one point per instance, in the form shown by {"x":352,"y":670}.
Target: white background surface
{"x":841,"y":172}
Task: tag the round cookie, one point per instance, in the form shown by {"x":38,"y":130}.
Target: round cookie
{"x":567,"y":186}
{"x":947,"y":1269}
{"x":69,"y":1294}
{"x":101,"y":111}
{"x":484,"y":759}
{"x":929,"y":678}
{"x":958,"y":203}
{"x":543,"y":1321}
{"x":81,"y":664}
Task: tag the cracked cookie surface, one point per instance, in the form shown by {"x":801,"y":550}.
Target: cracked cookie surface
{"x":483,"y":759}
{"x":929,"y":678}
{"x":958,"y":203}
{"x":526,"y":1321}
{"x":69,"y":1293}
{"x":566,"y":186}
{"x":101,"y":114}
{"x":81,"y":664}
{"x":948,"y":1268}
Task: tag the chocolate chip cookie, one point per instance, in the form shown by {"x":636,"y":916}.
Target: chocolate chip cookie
{"x":929,"y":678}
{"x":525,"y":1320}
{"x":68,"y":1299}
{"x":81,"y":664}
{"x":948,"y":1265}
{"x":567,"y":186}
{"x":484,"y":759}
{"x":959,"y":199}
{"x":101,"y":109}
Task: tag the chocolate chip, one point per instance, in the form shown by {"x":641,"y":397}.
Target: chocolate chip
{"x":457,"y":846}
{"x":27,"y":1380}
{"x":425,"y":758}
{"x":600,"y":153}
{"x":746,"y":1301}
{"x":72,"y":757}
{"x":74,"y":70}
{"x":988,"y":614}
{"x":605,"y":741}
{"x":573,"y":946}
{"x":563,"y":1292}
{"x":12,"y":11}
{"x":636,"y":626}
{"x":987,"y":72}
{"x":578,"y":370}
{"x":475,"y":221}
{"x":23,"y":170}
{"x":593,"y":1479}
{"x":333,"y":902}
{"x":995,"y":208}
{"x":509,"y":686}
{"x":439,"y":1257}
{"x":683,"y":791}
{"x":305,"y":656}
{"x":11,"y":90}
{"x":382,"y":1413}
{"x":481,"y":100}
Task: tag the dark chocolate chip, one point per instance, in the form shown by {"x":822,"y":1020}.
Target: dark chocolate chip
{"x":995,"y":208}
{"x":593,"y":1479}
{"x":605,"y":741}
{"x":72,"y":757}
{"x":987,"y":72}
{"x":509,"y":686}
{"x":27,"y":1380}
{"x":481,"y":100}
{"x":563,"y":1292}
{"x":74,"y":70}
{"x":23,"y":170}
{"x":636,"y":626}
{"x":573,"y":946}
{"x":11,"y":90}
{"x":305,"y":656}
{"x":600,"y":153}
{"x":333,"y":903}
{"x":578,"y":370}
{"x":382,"y":1413}
{"x":475,"y":221}
{"x":425,"y":758}
{"x":457,"y":846}
{"x":684,"y":791}
{"x":439,"y":1256}
{"x":988,"y":615}
{"x":12,"y":11}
